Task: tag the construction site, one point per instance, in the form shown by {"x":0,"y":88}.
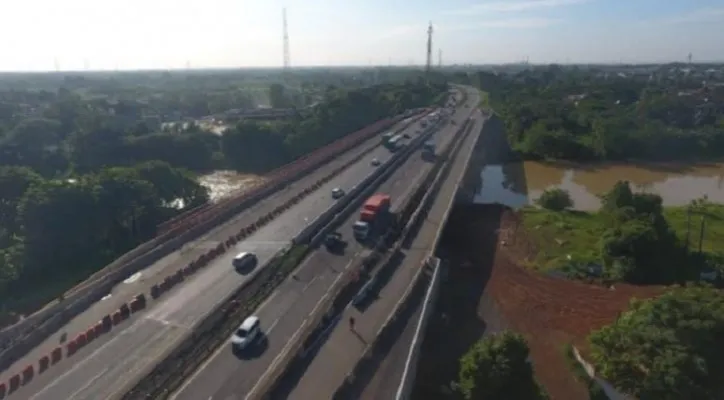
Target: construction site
{"x":486,"y":290}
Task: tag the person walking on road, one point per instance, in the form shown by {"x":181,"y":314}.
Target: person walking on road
{"x":351,"y":323}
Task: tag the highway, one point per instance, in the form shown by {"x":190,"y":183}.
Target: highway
{"x":106,"y":367}
{"x":343,"y":348}
{"x":228,"y":376}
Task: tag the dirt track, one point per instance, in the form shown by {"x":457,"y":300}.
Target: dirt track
{"x":483,"y":244}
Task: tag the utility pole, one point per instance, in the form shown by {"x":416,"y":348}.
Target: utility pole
{"x":285,"y":34}
{"x":428,"y":65}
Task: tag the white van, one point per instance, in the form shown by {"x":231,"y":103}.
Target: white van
{"x":245,"y":260}
{"x":247,"y":332}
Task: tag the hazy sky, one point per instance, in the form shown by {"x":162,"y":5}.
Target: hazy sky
{"x":230,"y":33}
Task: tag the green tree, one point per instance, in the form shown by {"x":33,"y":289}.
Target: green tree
{"x":667,"y":348}
{"x":497,"y":367}
{"x":555,"y":199}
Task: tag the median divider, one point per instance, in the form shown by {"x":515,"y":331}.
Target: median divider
{"x":342,"y":293}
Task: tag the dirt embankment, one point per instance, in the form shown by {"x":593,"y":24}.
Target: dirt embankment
{"x":486,"y":290}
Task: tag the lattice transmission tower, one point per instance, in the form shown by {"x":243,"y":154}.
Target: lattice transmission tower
{"x":428,"y":65}
{"x":285,"y":34}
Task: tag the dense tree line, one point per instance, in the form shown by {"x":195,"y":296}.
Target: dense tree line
{"x":575,"y":114}
{"x":253,"y":146}
{"x":55,"y":231}
{"x":668,"y":348}
{"x":84,"y":179}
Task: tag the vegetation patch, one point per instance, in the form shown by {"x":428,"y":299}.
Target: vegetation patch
{"x":631,"y":238}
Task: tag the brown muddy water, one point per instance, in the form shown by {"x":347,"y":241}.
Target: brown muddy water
{"x":519,"y":184}
{"x":224,"y":183}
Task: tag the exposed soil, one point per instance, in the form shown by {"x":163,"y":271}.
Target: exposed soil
{"x":486,"y":290}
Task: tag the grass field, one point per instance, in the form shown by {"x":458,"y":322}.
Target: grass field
{"x":484,"y":100}
{"x":573,"y":236}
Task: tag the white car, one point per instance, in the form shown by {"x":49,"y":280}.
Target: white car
{"x":375,"y":162}
{"x":248,"y":332}
{"x":337,"y":193}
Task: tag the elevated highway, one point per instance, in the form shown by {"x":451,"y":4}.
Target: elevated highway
{"x":345,"y":346}
{"x":228,"y":376}
{"x":104,"y":368}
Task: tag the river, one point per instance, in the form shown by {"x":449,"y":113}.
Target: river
{"x":518,"y":184}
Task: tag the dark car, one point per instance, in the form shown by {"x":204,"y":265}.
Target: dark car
{"x":334,"y":242}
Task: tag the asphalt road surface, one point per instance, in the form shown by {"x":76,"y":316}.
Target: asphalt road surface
{"x":105,"y":368}
{"x":226,"y":376}
{"x":344,"y":347}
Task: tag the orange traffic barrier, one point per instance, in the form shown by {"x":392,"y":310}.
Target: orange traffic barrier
{"x":71,"y":347}
{"x":98,"y":328}
{"x":179,"y":276}
{"x":43,"y":364}
{"x":90,"y":334}
{"x":117,"y":318}
{"x":125,"y":311}
{"x":28,"y":374}
{"x":81,"y":340}
{"x":14,"y":383}
{"x":155,"y":291}
{"x":107,"y":322}
{"x":3,"y":390}
{"x":138,"y":303}
{"x":56,"y":355}
{"x":167,"y":283}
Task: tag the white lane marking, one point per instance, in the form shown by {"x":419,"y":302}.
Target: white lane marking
{"x":87,"y":384}
{"x":223,"y":348}
{"x":272,"y":326}
{"x":133,"y":278}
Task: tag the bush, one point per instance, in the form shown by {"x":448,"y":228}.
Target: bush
{"x":555,"y":200}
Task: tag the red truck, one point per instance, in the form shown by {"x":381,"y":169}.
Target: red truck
{"x":373,"y":210}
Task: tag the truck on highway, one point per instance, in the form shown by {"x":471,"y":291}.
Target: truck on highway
{"x":373,"y":216}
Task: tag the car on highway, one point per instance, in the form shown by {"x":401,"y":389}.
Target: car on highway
{"x":247,"y":333}
{"x":334,"y":242}
{"x":406,"y":135}
{"x":375,"y":162}
{"x":337,"y":193}
{"x":245,"y":261}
